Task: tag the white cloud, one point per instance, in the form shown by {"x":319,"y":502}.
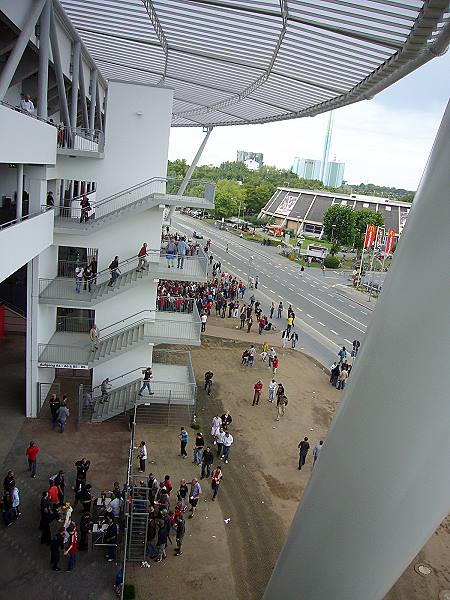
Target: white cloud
{"x":387,"y":146}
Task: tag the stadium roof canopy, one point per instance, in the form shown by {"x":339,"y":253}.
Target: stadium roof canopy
{"x":234,"y":62}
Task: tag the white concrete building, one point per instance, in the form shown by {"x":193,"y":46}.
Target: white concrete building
{"x":119,"y":162}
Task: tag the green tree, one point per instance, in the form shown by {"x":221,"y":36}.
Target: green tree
{"x":257,"y":195}
{"x":363,"y":218}
{"x":229,"y":196}
{"x":339,"y":224}
{"x":177,"y":168}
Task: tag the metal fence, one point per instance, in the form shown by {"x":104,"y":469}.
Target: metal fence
{"x":74,"y":324}
{"x":81,"y":138}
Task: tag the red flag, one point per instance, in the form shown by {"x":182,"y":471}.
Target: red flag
{"x":371,"y":232}
{"x":390,"y":241}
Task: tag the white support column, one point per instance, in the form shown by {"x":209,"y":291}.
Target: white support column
{"x":98,"y":108}
{"x":75,"y":80}
{"x":31,"y":386}
{"x":191,"y":169}
{"x":44,"y":55}
{"x":19,"y":191}
{"x":24,"y":37}
{"x":92,"y":106}
{"x":380,"y":487}
{"x":84,"y":110}
{"x":64,"y":110}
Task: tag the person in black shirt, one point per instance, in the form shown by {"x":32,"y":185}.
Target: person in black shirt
{"x":198,"y":448}
{"x":303,"y":451}
{"x":207,"y":461}
{"x":226,"y":420}
{"x":114,"y":269}
{"x":60,"y":482}
{"x":110,"y":537}
{"x":56,"y":545}
{"x":46,"y":519}
{"x":208,"y":382}
{"x":86,"y":498}
{"x":9,"y":481}
{"x":86,"y":525}
{"x":82,"y":468}
{"x":180,"y":527}
{"x":54,"y":404}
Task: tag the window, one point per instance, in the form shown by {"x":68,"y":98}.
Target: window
{"x":365,"y":205}
{"x":387,"y":208}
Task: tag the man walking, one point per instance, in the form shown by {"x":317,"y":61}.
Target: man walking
{"x":54,"y":404}
{"x":342,"y":355}
{"x":285,"y":337}
{"x":342,"y":378}
{"x":208,"y":382}
{"x":72,"y":549}
{"x":196,"y":492}
{"x":56,"y":544}
{"x":203,"y":319}
{"x":62,"y":415}
{"x":142,"y":260}
{"x":183,"y":436}
{"x":294,"y":340}
{"x":303,"y":451}
{"x":31,"y":454}
{"x":181,"y":250}
{"x":105,"y":387}
{"x":215,"y":481}
{"x":114,"y":271}
{"x":148,"y":377}
{"x":207,"y":461}
{"x":227,"y":442}
{"x":316,"y":451}
{"x":273,"y":386}
{"x":258,"y":389}
{"x":272,"y":308}
{"x":282,"y":402}
{"x":94,"y":335}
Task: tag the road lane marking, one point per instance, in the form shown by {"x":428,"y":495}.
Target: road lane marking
{"x":346,"y":340}
{"x":320,"y":323}
{"x":272,"y":291}
{"x":333,"y":331}
{"x":310,"y":316}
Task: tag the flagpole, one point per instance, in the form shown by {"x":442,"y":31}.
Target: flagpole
{"x":361,"y":263}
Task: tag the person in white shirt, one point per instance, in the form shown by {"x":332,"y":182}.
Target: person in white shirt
{"x":116,"y":505}
{"x":220,"y":436}
{"x":273,"y":385}
{"x":203,"y":319}
{"x":26,"y":104}
{"x":142,"y":454}
{"x":316,"y":451}
{"x":285,"y":337}
{"x":271,"y":355}
{"x":216,"y":424}
{"x":79,"y":275}
{"x":227,"y":442}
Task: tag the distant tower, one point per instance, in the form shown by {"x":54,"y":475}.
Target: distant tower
{"x":326,"y":147}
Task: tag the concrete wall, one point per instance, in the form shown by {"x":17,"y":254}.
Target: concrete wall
{"x":22,"y":242}
{"x":136,"y":145}
{"x":25,"y":139}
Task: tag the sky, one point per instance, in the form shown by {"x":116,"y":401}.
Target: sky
{"x":385,"y":140}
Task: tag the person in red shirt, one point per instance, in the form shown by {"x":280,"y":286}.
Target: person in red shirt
{"x":275,"y":365}
{"x":168,"y":484}
{"x":258,"y":389}
{"x":53,"y":495}
{"x":31,"y":454}
{"x":72,"y":548}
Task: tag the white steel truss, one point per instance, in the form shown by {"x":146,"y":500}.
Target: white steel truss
{"x":234,"y":62}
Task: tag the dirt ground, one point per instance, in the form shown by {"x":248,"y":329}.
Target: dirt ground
{"x":262,"y":487}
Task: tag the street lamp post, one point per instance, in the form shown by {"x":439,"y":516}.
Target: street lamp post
{"x":250,"y":260}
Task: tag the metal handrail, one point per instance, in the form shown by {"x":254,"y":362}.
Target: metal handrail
{"x":25,"y":217}
{"x":68,"y":136}
{"x":25,"y":112}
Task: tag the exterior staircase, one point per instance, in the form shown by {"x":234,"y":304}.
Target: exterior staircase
{"x":120,"y":400}
{"x":138,"y":198}
{"x":60,"y":291}
{"x":165,"y":328}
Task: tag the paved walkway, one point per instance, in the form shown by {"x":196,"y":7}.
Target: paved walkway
{"x":25,"y":562}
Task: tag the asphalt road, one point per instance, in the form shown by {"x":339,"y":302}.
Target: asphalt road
{"x":325,"y":319}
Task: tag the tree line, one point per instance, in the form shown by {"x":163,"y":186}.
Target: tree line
{"x":246,"y":191}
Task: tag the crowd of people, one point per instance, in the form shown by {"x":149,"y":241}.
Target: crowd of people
{"x":64,"y":532}
{"x":341,"y":368}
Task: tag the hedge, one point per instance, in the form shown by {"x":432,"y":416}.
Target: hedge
{"x":331,"y":262}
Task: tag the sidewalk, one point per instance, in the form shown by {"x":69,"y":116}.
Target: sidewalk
{"x":348,"y":291}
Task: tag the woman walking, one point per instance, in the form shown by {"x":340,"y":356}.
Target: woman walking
{"x":215,"y":481}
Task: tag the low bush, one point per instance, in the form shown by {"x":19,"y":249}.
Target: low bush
{"x":331,"y":262}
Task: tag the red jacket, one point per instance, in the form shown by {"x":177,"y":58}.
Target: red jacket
{"x":31,"y":452}
{"x":258,"y":387}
